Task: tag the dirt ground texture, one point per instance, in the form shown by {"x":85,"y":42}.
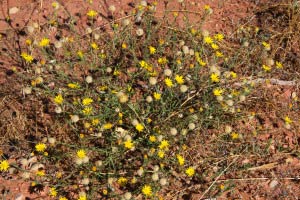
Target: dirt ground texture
{"x":277,"y":175}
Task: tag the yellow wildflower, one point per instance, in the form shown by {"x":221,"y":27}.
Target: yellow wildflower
{"x":161,"y":154}
{"x":235,"y":135}
{"x":152,"y":138}
{"x":58,"y":99}
{"x":87,"y":110}
{"x":266,"y":45}
{"x":219,"y":54}
{"x":87,"y":101}
{"x":128,"y":144}
{"x":95,"y":122}
{"x":81,"y":153}
{"x":190,"y":171}
{"x":179,"y":79}
{"x":44,"y":42}
{"x":287,"y":120}
{"x":164,"y":144}
{"x":147,"y":190}
{"x":139,"y":127}
{"x":4,"y":165}
{"x":40,"y":147}
{"x":80,"y":54}
{"x":266,"y":68}
{"x":233,"y":74}
{"x":28,"y":58}
{"x":214,"y":46}
{"x":219,"y":37}
{"x":40,"y":173}
{"x":53,"y":192}
{"x":214,"y":78}
{"x":82,"y":197}
{"x":107,"y":126}
{"x":122,"y":181}
{"x":152,"y":50}
{"x":94,"y":45}
{"x":208,"y":40}
{"x":180,"y":159}
{"x":162,"y":61}
{"x":74,"y":85}
{"x":157,"y":96}
{"x":92,"y":13}
{"x":168,"y":82}
{"x":278,"y":65}
{"x":218,"y":91}
{"x":206,"y":7}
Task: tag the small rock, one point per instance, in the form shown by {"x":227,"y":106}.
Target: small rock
{"x":273,"y":184}
{"x":13,"y":10}
{"x":20,"y":197}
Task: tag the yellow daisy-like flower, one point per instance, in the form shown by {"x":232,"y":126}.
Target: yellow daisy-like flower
{"x":94,"y":45}
{"x":214,"y":78}
{"x":95,"y":122}
{"x":87,"y":101}
{"x":164,"y":144}
{"x":190,"y":171}
{"x":218,"y":91}
{"x":161,"y":154}
{"x":143,"y":64}
{"x":266,"y":45}
{"x":58,"y":99}
{"x":53,"y":192}
{"x":139,"y":127}
{"x":157,"y":96}
{"x":152,"y":138}
{"x":219,"y":54}
{"x":87,"y":110}
{"x":4,"y":165}
{"x":278,"y":65}
{"x":74,"y":85}
{"x":233,"y":74}
{"x":219,"y":37}
{"x":235,"y":136}
{"x":40,"y":147}
{"x":179,"y":79}
{"x":107,"y":126}
{"x":180,"y":159}
{"x":162,"y":60}
{"x":168,"y":82}
{"x":81,"y":153}
{"x":63,"y":198}
{"x":147,"y":190}
{"x":266,"y":68}
{"x":44,"y":42}
{"x":82,"y":197}
{"x":152,"y":50}
{"x":287,"y":120}
{"x":206,"y":7}
{"x":80,"y":54}
{"x":208,"y":40}
{"x":122,"y":181}
{"x":28,"y":58}
{"x":40,"y":173}
{"x":92,"y":13}
{"x":128,"y":144}
{"x":214,"y":46}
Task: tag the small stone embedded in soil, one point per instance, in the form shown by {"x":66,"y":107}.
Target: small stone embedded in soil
{"x":273,"y":184}
{"x":20,"y":197}
{"x":13,"y":10}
